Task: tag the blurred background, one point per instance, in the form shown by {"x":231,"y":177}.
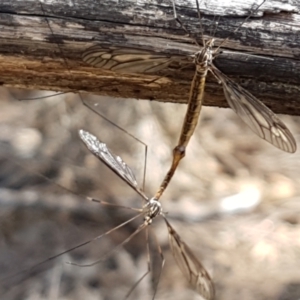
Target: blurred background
{"x":234,"y":200}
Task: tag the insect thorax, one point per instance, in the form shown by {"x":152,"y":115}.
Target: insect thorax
{"x":204,"y":57}
{"x":152,"y":209}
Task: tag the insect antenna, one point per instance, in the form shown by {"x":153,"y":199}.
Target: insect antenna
{"x":176,"y":17}
{"x":253,"y":11}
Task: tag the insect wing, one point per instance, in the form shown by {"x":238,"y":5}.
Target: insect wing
{"x":256,"y":115}
{"x":190,"y":266}
{"x":127,"y":60}
{"x":115,"y":163}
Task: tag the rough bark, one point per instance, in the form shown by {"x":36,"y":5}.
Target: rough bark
{"x":35,"y":57}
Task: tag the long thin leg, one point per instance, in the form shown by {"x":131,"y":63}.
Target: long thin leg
{"x":76,"y":247}
{"x":188,"y":127}
{"x":148,"y":266}
{"x":161,"y":266}
{"x":139,"y":229}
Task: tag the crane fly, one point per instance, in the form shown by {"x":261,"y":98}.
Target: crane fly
{"x":190,"y":266}
{"x":252,"y":111}
{"x":260,"y":119}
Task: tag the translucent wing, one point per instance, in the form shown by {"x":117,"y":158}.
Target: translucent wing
{"x":190,"y":265}
{"x":256,"y":115}
{"x":114,"y":162}
{"x":127,"y":60}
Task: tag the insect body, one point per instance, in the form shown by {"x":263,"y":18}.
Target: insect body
{"x":202,"y":60}
{"x":253,"y":112}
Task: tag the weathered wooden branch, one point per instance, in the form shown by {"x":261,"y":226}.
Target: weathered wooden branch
{"x":35,"y":57}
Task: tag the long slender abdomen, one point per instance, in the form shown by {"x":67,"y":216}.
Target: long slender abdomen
{"x":188,"y":127}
